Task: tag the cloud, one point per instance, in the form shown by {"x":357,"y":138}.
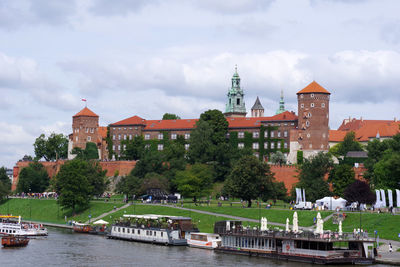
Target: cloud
{"x":234,"y":7}
{"x":120,"y":7}
{"x":12,"y":134}
{"x":56,"y":127}
{"x":16,"y":13}
{"x":390,"y":32}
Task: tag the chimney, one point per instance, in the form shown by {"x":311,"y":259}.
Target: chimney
{"x":361,"y":119}
{"x":395,"y":119}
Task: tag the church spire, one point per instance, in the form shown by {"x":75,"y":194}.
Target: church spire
{"x":257,"y":110}
{"x":235,"y":107}
{"x":281,"y":105}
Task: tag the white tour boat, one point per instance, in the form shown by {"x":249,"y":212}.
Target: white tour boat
{"x":12,"y":225}
{"x":204,"y":240}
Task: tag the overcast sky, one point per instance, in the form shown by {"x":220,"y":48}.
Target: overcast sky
{"x":148,"y":57}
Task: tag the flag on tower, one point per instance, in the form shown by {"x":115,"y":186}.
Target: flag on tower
{"x":83,"y":99}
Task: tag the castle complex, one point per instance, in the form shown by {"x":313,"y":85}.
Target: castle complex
{"x":283,"y":131}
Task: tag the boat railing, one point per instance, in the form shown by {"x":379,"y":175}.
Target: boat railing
{"x":327,"y":236}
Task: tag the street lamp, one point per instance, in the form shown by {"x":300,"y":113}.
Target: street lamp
{"x":30,"y":205}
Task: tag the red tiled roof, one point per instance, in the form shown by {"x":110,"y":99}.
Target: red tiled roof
{"x":313,"y":87}
{"x":367,"y":129}
{"x":86,"y":112}
{"x":247,"y":122}
{"x":336,"y":135}
{"x":170,"y":124}
{"x":103,"y":132}
{"x":135,"y":120}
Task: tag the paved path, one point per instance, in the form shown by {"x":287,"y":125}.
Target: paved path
{"x":108,"y":213}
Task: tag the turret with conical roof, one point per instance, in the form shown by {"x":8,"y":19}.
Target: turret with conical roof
{"x":257,"y":110}
{"x":235,"y":107}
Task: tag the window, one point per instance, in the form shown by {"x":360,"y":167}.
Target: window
{"x":279,"y":134}
{"x":308,"y":135}
{"x":173,"y":136}
{"x":323,"y":105}
{"x":138,"y":231}
{"x":76,"y":139}
{"x":128,"y":231}
{"x":307,"y":123}
{"x":312,"y":95}
{"x":310,"y":146}
{"x":187,"y":136}
{"x":256,"y":134}
{"x":130,"y":137}
{"x":113,"y":136}
{"x":187,"y":146}
{"x":285,"y":134}
{"x":113,"y":147}
{"x":160,"y":147}
{"x":285,"y":145}
{"x":279,"y":145}
{"x":92,"y":130}
{"x":255,"y":145}
{"x":87,"y":130}
{"x":136,"y":127}
{"x":272,"y":145}
{"x":240,"y":145}
{"x":292,"y":124}
{"x":240,"y":134}
{"x":301,"y":105}
{"x":119,"y":147}
{"x":238,"y":101}
{"x":272,"y":134}
{"x":119,"y":137}
{"x":89,"y":138}
{"x":124,"y":147}
{"x":266,"y":134}
{"x":312,"y":105}
{"x":301,"y":96}
{"x":309,"y":115}
{"x":160,"y":136}
{"x":322,"y":146}
{"x":146,"y":136}
{"x":266,"y":145}
{"x":124,"y":136}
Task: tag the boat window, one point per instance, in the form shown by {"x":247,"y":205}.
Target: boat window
{"x":128,"y":231}
{"x":151,"y":233}
{"x":155,"y":233}
{"x":119,"y":229}
{"x":162,"y":234}
{"x":123,"y":230}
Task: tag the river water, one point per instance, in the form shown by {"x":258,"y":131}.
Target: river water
{"x":64,"y":248}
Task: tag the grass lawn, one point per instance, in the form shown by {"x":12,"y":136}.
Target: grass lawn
{"x":273,"y":215}
{"x":204,"y":222}
{"x":386,"y":224}
{"x":47,"y":210}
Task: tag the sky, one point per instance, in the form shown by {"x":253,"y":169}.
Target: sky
{"x":149,"y":57}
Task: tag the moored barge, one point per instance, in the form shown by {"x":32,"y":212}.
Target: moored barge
{"x":157,"y":229}
{"x":307,"y":246}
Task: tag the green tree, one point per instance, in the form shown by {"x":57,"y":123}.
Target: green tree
{"x":312,"y":176}
{"x":169,"y":116}
{"x":152,"y":161}
{"x":90,"y":152}
{"x":250,"y":178}
{"x":134,"y":148}
{"x":77,"y":181}
{"x":278,"y":158}
{"x":195,"y":181}
{"x":33,"y":178}
{"x":4,"y":178}
{"x":129,"y":185}
{"x":174,"y":156}
{"x":154,"y":180}
{"x":341,"y":176}
{"x":387,"y":171}
{"x":52,"y":148}
{"x":349,"y":143}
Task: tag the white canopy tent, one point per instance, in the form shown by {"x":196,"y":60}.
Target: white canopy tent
{"x":331,"y":203}
{"x":100,"y":222}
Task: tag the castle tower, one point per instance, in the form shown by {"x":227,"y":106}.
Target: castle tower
{"x":313,"y":116}
{"x":85,"y":127}
{"x":257,"y":110}
{"x":281,"y":108}
{"x":235,"y":107}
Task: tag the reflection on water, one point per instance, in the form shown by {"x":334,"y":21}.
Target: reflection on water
{"x":64,"y":248}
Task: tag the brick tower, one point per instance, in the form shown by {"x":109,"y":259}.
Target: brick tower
{"x":85,"y":128}
{"x":313,"y":124}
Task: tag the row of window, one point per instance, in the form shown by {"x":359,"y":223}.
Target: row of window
{"x":312,"y":96}
{"x":119,"y":128}
{"x":161,"y":136}
{"x":257,"y":134}
{"x":87,"y":130}
{"x":312,"y":105}
{"x":160,"y":147}
{"x":278,"y":124}
{"x":266,"y":145}
{"x":128,"y":231}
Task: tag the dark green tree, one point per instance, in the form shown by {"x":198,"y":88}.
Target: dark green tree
{"x":154,"y":181}
{"x":52,"y":148}
{"x":77,"y":181}
{"x":152,"y":161}
{"x":349,"y":143}
{"x":278,"y":158}
{"x":4,"y":178}
{"x":341,"y":176}
{"x":170,"y":116}
{"x":312,"y":176}
{"x":89,"y":153}
{"x":387,"y":171}
{"x":174,"y":160}
{"x":201,"y":147}
{"x":33,"y":178}
{"x":195,"y":181}
{"x":134,"y":148}
{"x":250,"y":178}
{"x":129,"y":185}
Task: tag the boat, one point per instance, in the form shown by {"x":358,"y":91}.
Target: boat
{"x":156,"y":229}
{"x":82,"y":227}
{"x":302,"y":246}
{"x":14,"y":241}
{"x":204,"y":240}
{"x":12,"y":225}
